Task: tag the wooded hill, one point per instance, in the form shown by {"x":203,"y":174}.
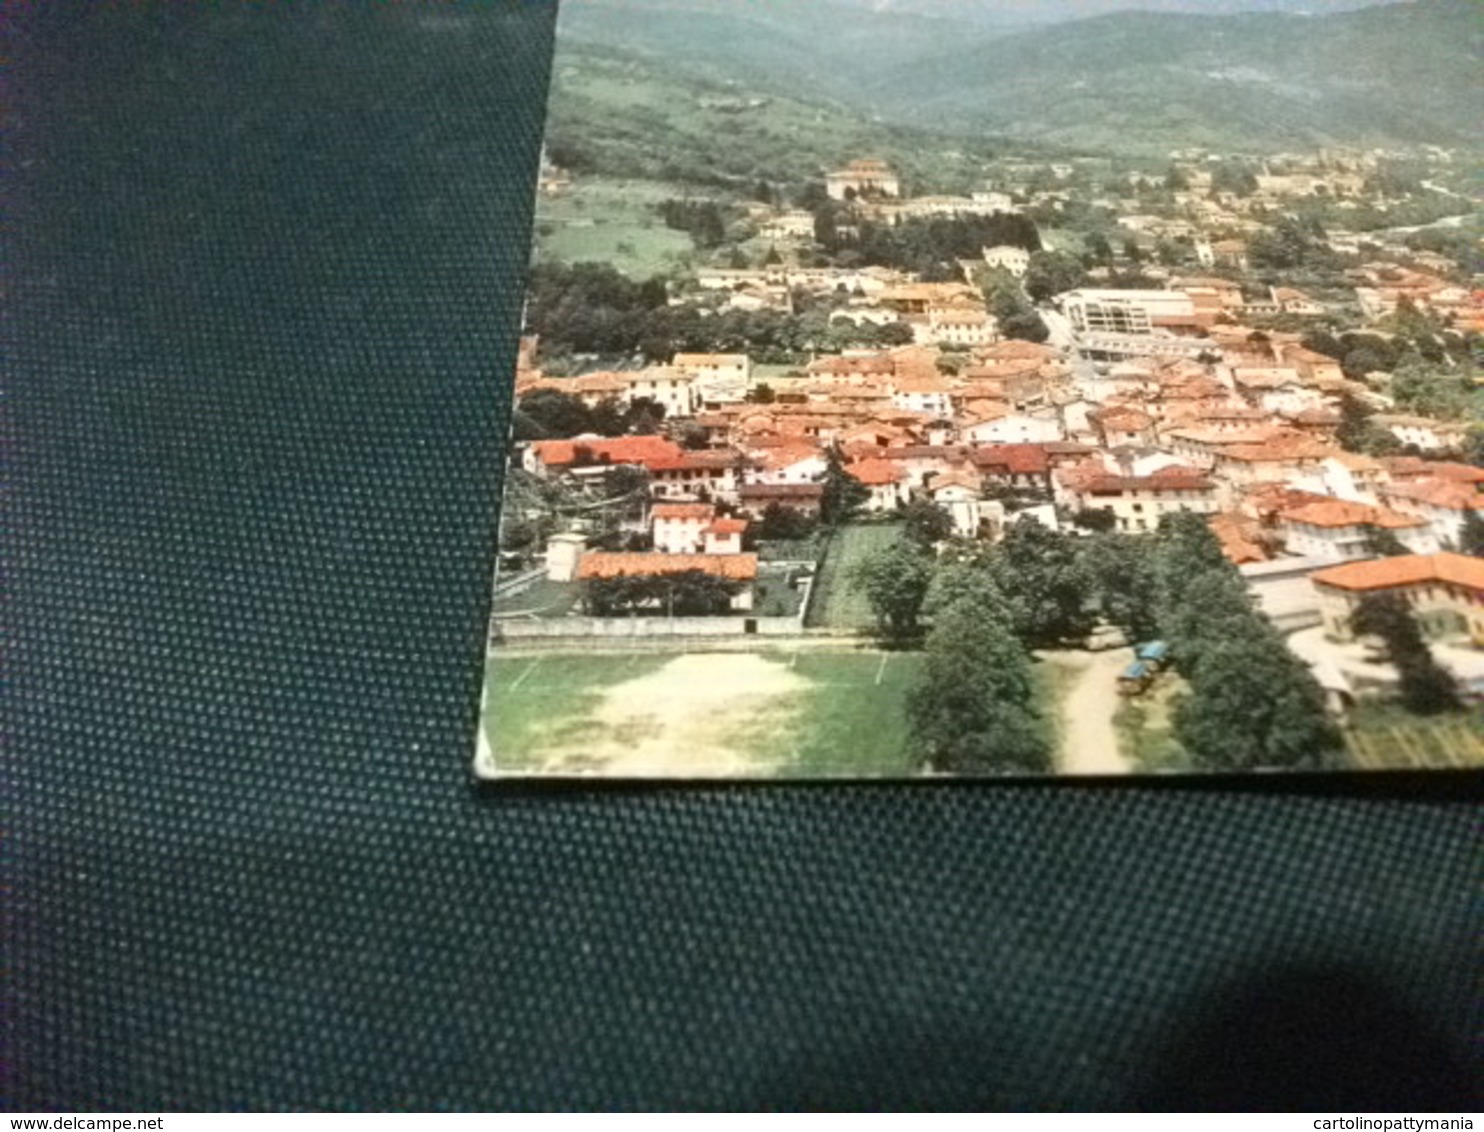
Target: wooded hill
{"x":1396,"y":74}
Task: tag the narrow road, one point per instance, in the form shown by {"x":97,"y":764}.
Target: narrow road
{"x":1089,"y":743}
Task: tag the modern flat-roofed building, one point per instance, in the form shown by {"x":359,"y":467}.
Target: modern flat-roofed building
{"x":1129,"y":312}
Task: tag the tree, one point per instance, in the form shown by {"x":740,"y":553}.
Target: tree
{"x":843,"y":493}
{"x":782,"y":523}
{"x":1252,"y":705}
{"x":1383,"y":543}
{"x":1097,"y":519}
{"x":1471,"y":534}
{"x":688,"y":593}
{"x":554,"y":414}
{"x":974,"y":710}
{"x":895,"y":580}
{"x":1046,"y":585}
{"x":1431,"y":390}
{"x":1358,"y":433}
{"x":644,"y":416}
{"x":1099,"y":251}
{"x":1014,"y":313}
{"x":1426,"y":687}
{"x":1234,"y":177}
{"x":1124,"y":581}
{"x":1051,"y":273}
{"x":927,"y":523}
{"x":1214,"y":607}
{"x":1473,"y":447}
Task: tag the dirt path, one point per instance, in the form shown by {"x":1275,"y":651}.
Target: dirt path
{"x":1089,"y":743}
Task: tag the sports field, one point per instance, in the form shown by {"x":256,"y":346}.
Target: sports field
{"x":809,"y":713}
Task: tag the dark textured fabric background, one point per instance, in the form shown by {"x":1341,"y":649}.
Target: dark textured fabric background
{"x":263,"y":290}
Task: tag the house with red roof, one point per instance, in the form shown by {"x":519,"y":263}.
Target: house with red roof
{"x":958,"y":492}
{"x":1445,"y":592}
{"x":1442,"y":500}
{"x":712,"y":474}
{"x":551,"y":457}
{"x":740,"y":569}
{"x":680,"y":528}
{"x":753,"y":499}
{"x":1339,"y":530}
{"x":886,"y":480}
{"x":1137,"y":502}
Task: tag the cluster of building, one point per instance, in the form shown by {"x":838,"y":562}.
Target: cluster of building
{"x":1146,"y":402}
{"x":1246,"y":436}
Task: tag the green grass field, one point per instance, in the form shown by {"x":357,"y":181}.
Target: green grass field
{"x":835,"y":604}
{"x":610,"y":221}
{"x":802,"y":714}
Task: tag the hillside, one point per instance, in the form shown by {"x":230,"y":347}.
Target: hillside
{"x":1403,"y":73}
{"x":622,"y":114}
{"x":1395,"y":74}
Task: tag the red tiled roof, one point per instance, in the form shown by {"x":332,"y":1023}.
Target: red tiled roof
{"x":874,"y":473}
{"x":957,"y":478}
{"x":1160,"y":481}
{"x":1336,"y":513}
{"x":1452,"y":495}
{"x":703,"y":511}
{"x":841,"y":365}
{"x":683,"y":461}
{"x":1235,"y":540}
{"x":1405,"y":570}
{"x":781,"y":491}
{"x":602,"y":564}
{"x":727,"y":527}
{"x":606,"y":450}
{"x":1017,"y":459}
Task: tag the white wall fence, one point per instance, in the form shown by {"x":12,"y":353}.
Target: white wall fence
{"x":631,"y":628}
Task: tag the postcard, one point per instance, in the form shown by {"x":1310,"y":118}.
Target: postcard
{"x":978,"y":388}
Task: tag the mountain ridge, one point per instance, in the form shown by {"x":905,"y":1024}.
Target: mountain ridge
{"x":1388,"y":74}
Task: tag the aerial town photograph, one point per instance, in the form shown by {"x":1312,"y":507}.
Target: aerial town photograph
{"x":990,"y":388}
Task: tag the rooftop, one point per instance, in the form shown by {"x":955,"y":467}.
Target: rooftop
{"x":1404,"y":570}
{"x":702,"y":511}
{"x":602,"y":564}
{"x":1339,"y":513}
{"x":605,"y":450}
{"x":875,"y":473}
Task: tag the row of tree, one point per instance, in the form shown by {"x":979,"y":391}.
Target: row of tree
{"x":687,"y":593}
{"x":1251,"y":702}
{"x":930,"y":247}
{"x":551,"y":414}
{"x":593,"y":309}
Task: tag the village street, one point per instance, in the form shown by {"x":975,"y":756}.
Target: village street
{"x":1089,"y":745}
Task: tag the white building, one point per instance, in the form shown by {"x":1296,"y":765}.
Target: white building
{"x":795,"y":224}
{"x":1335,"y":530}
{"x":680,"y":528}
{"x":719,"y":378}
{"x":863,"y":178}
{"x":1126,"y":311}
{"x":1007,"y":256}
{"x":673,"y":388}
